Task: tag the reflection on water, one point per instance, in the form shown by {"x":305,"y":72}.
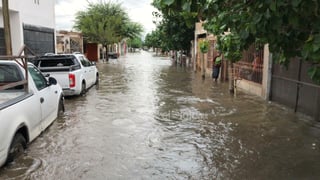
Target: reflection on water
{"x":150,"y":119}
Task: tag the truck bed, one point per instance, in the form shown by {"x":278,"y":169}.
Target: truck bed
{"x":10,"y":97}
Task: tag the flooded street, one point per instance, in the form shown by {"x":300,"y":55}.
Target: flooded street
{"x":150,"y":119}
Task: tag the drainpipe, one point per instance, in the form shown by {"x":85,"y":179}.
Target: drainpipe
{"x":231,"y":77}
{"x":6,"y":26}
{"x":269,"y":80}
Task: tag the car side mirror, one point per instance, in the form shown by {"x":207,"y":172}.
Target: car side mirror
{"x":52,"y":81}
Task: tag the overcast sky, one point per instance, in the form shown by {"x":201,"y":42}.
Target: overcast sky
{"x":138,"y":11}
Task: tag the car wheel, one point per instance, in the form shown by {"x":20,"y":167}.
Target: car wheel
{"x":97,"y":80}
{"x":17,"y":147}
{"x":61,"y":107}
{"x":83,"y":89}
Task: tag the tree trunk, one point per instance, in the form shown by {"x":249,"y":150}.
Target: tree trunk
{"x":6,"y":24}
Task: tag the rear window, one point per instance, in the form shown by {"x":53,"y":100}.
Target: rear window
{"x":9,"y":73}
{"x":65,"y":62}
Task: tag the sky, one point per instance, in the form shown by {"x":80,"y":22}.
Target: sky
{"x":138,"y":10}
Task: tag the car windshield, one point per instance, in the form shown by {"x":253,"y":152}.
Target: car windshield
{"x":56,"y":62}
{"x":9,"y":73}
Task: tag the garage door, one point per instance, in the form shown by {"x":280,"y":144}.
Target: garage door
{"x":2,"y":42}
{"x":39,"y":39}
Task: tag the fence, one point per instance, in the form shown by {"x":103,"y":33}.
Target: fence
{"x":250,"y":67}
{"x":293,"y":87}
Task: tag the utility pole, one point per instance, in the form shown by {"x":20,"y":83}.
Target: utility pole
{"x":6,"y":26}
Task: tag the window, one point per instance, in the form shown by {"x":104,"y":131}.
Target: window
{"x":84,"y":61}
{"x":39,"y":80}
{"x":58,"y":62}
{"x":9,"y":74}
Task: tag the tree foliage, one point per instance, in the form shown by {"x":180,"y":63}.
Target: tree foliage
{"x":153,"y":39}
{"x":291,"y":28}
{"x":106,"y":23}
{"x":135,"y":43}
{"x":175,"y":33}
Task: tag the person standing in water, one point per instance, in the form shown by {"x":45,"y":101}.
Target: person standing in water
{"x":216,"y":64}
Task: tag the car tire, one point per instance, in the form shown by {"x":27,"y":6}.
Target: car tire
{"x":61,"y":108}
{"x":97,"y":80}
{"x":17,"y":147}
{"x":83,"y":88}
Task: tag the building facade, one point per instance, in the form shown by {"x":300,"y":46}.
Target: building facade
{"x":32,"y":22}
{"x":69,"y":42}
{"x":256,"y":73}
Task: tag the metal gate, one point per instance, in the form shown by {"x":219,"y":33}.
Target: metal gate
{"x":39,"y":39}
{"x":293,"y":87}
{"x":2,"y":42}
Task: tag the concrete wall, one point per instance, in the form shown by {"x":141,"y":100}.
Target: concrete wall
{"x":263,"y":89}
{"x":32,"y":12}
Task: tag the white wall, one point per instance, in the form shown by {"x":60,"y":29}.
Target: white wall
{"x":16,"y":32}
{"x":32,"y":12}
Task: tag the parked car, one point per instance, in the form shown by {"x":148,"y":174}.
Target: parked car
{"x":74,"y":72}
{"x":113,"y":55}
{"x":27,"y":106}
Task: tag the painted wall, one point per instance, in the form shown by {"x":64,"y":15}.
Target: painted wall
{"x":32,"y":12}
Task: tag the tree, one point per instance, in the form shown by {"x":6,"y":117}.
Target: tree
{"x":291,"y":28}
{"x":135,"y":43}
{"x":132,"y":30}
{"x":175,"y":33}
{"x":153,"y":39}
{"x":190,"y":10}
{"x":106,"y":23}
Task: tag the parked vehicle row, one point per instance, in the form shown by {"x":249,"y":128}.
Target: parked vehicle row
{"x":26,"y":109}
{"x":31,"y":99}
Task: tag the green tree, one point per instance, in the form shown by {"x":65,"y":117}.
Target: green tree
{"x":135,"y":43}
{"x":190,"y":10}
{"x":106,"y":23}
{"x":132,"y":30}
{"x":153,"y":39}
{"x":291,"y":28}
{"x":175,"y":32}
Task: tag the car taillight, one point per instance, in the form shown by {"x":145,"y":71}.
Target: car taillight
{"x":72,"y":80}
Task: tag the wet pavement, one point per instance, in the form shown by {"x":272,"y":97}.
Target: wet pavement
{"x":150,"y":119}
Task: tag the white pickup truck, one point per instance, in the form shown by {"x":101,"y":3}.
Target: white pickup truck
{"x":74,"y":72}
{"x":28,"y":105}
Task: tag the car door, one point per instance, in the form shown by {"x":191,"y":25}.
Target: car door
{"x":86,"y":70}
{"x":92,"y":72}
{"x":48,"y":97}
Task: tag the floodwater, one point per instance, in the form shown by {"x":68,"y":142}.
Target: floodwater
{"x":150,"y":119}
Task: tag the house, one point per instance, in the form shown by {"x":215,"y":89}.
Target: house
{"x":32,"y":22}
{"x":290,"y":85}
{"x":69,"y":42}
{"x":200,"y":35}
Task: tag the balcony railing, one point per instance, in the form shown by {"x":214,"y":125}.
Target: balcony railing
{"x":250,"y":67}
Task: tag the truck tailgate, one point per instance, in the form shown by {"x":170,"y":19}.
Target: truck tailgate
{"x":62,"y":78}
